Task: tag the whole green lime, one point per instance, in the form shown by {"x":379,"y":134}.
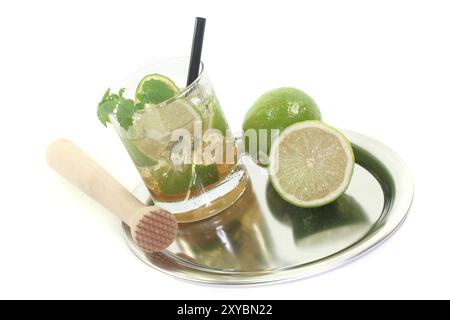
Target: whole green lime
{"x":275,"y":109}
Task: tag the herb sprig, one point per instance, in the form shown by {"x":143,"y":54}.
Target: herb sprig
{"x":123,"y":107}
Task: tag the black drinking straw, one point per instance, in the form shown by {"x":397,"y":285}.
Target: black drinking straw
{"x":196,"y":50}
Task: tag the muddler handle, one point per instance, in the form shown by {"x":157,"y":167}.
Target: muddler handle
{"x":79,"y":169}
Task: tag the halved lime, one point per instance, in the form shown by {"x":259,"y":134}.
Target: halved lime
{"x":155,"y":88}
{"x":311,"y":164}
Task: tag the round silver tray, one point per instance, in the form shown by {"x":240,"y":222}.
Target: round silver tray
{"x":261,"y":238}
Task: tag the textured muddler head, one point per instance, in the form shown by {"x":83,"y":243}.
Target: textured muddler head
{"x":155,"y":230}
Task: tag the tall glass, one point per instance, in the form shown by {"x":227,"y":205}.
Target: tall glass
{"x":182,"y":147}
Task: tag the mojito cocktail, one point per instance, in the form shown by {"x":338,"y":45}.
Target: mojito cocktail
{"x":178,"y":138}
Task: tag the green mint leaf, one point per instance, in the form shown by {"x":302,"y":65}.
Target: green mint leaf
{"x":155,"y":91}
{"x":106,"y":106}
{"x":125,"y":112}
{"x":125,"y":108}
{"x":106,"y":95}
{"x":139,"y":106}
{"x":104,"y":109}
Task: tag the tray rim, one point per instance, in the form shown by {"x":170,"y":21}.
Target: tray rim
{"x":398,"y":209}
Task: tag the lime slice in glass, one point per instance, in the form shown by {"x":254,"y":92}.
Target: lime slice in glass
{"x":191,"y":177}
{"x":139,"y":159}
{"x":212,"y":115}
{"x":217,"y":119}
{"x":153,"y":126}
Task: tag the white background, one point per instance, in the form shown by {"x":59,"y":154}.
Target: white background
{"x":381,"y":68}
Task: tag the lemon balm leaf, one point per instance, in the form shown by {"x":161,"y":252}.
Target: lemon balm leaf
{"x":155,"y":91}
{"x":125,"y":112}
{"x":139,"y":106}
{"x":106,"y":95}
{"x":106,"y":106}
{"x":152,"y":89}
{"x":104,"y":109}
{"x":124,"y":108}
{"x":154,"y":82}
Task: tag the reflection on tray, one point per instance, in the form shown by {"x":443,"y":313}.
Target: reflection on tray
{"x":235,"y":239}
{"x":309,"y":222}
{"x":238,"y":239}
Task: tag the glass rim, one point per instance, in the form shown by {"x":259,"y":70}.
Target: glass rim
{"x":182,"y":93}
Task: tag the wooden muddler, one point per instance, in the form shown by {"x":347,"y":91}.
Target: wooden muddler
{"x":153,"y":228}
